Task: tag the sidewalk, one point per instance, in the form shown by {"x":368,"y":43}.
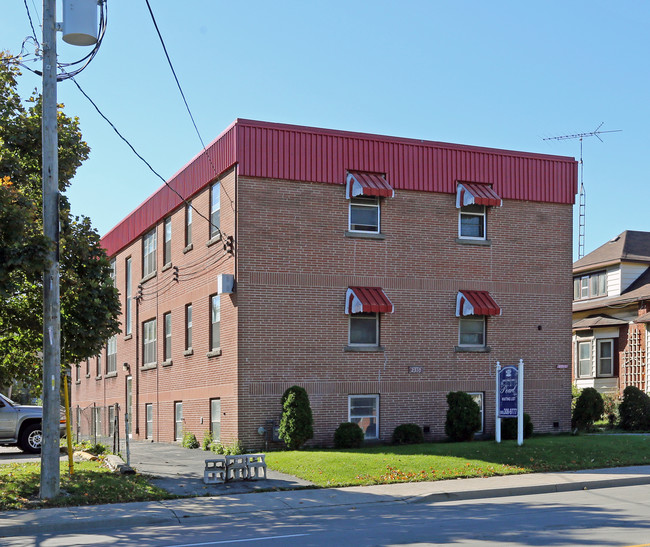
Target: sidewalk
{"x":170,"y":512}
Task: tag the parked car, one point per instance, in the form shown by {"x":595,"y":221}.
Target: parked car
{"x":21,"y":425}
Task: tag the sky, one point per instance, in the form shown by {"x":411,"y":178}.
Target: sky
{"x":499,"y":74}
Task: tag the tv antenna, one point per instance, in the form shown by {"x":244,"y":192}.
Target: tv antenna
{"x":582,"y":200}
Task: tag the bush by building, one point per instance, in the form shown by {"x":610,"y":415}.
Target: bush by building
{"x":189,"y":440}
{"x":408,"y":434}
{"x":589,"y":409}
{"x":348,"y":435}
{"x":509,"y":428}
{"x":463,"y":416}
{"x":207,"y":440}
{"x":297,"y":422}
{"x":634,"y":409}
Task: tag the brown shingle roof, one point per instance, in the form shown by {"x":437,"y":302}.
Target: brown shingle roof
{"x":599,"y":320}
{"x":629,"y":246}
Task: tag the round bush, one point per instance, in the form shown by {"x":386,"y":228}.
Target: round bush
{"x":463,"y":416}
{"x":589,"y":409}
{"x":509,"y":428}
{"x":408,"y":434}
{"x":634,"y":409}
{"x":297,"y":422}
{"x":348,"y":435}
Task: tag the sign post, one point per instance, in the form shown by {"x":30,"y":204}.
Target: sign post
{"x":510,"y":398}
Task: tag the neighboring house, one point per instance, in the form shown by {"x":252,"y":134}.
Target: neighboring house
{"x":379,"y":273}
{"x":611,"y":305}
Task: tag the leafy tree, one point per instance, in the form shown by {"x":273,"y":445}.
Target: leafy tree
{"x":296,"y":424}
{"x":89,"y":301}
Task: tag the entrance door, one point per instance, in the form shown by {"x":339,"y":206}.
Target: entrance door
{"x":129,"y":404}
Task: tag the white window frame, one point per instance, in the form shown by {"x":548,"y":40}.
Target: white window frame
{"x":215,"y":418}
{"x":167,"y":341}
{"x":369,"y":202}
{"x":188,"y":224}
{"x":98,"y":365}
{"x":589,"y":286}
{"x":599,"y":357}
{"x":579,"y":359}
{"x":467,"y":320}
{"x":479,"y":399}
{"x":167,"y":246}
{"x":128,"y":316}
{"x":473,"y":211}
{"x":148,"y":409}
{"x":111,"y":355}
{"x":188,"y":327}
{"x":149,"y":247}
{"x":178,"y":420}
{"x":149,"y":342}
{"x":111,"y":420}
{"x":112,"y":264}
{"x":363,"y":317}
{"x":351,"y":418}
{"x":215,"y":322}
{"x":215,"y":209}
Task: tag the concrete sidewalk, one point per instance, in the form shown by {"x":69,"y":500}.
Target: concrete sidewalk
{"x":170,"y":512}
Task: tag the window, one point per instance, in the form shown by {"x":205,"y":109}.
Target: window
{"x":98,"y":365}
{"x":215,"y":419}
{"x":77,"y":373}
{"x":471,"y":222}
{"x":364,"y":329}
{"x":149,"y":343}
{"x":471,"y":331}
{"x":111,"y":355}
{"x":111,"y":420}
{"x":364,"y":214}
{"x":478,"y":399}
{"x":605,"y":357}
{"x":129,"y":297}
{"x":167,"y":342}
{"x":97,"y":421}
{"x":215,"y":322}
{"x":178,"y":421}
{"x":215,"y":209}
{"x":148,"y":408}
{"x":363,"y":410}
{"x":188,"y":224}
{"x":590,"y":286}
{"x":87,"y":367}
{"x":188,"y":327}
{"x":167,"y":249}
{"x":149,"y":253}
{"x":584,"y":359}
{"x":112,"y":274}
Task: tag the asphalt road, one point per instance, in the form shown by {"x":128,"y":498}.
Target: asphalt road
{"x":604,"y":517}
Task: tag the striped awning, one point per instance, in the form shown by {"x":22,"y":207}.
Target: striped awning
{"x":367,"y":300}
{"x":476,"y":303}
{"x":472,"y":193}
{"x":360,"y":183}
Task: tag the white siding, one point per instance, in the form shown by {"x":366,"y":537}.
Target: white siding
{"x":630,"y":272}
{"x":613,"y":282}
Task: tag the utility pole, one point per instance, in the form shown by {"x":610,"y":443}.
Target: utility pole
{"x":50,"y":471}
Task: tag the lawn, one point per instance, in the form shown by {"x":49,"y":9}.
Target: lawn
{"x":91,"y":484}
{"x":439,"y":461}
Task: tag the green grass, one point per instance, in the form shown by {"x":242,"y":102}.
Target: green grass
{"x":438,"y":461}
{"x":90,"y":484}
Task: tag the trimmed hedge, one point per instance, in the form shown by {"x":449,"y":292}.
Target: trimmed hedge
{"x":408,"y":434}
{"x":634,"y":409}
{"x":348,"y":435}
{"x":588,"y":409}
{"x":509,"y":428}
{"x":463,"y":416}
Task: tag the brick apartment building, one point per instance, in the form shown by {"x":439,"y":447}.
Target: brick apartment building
{"x":379,"y":273}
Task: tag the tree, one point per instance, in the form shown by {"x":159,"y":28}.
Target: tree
{"x":588,"y":409}
{"x":296,"y":424}
{"x":89,"y":301}
{"x":463,"y":416}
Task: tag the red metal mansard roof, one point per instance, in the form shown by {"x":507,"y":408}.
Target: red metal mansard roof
{"x":367,"y":300}
{"x":289,"y":152}
{"x":476,"y":303}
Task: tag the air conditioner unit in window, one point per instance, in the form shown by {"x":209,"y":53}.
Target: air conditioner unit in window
{"x":225,"y":283}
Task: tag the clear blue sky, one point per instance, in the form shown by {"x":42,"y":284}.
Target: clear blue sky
{"x":496,"y":74}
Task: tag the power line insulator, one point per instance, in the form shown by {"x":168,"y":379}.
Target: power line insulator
{"x":175,"y":273}
{"x":229,"y":245}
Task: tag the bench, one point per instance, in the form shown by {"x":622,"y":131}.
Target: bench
{"x":220,"y":469}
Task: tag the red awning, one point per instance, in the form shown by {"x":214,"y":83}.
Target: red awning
{"x":472,"y":193}
{"x":476,"y":303}
{"x":359,"y":183}
{"x":367,"y":300}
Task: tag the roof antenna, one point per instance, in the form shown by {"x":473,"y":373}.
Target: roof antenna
{"x":582,"y":201}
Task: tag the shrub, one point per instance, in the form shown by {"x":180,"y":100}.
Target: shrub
{"x":235,"y":448}
{"x":207,"y":440}
{"x":189,"y":440}
{"x":218,"y":448}
{"x":348,"y":435}
{"x":509,"y":428}
{"x":589,"y":408}
{"x":634,"y":409}
{"x":463,"y":416}
{"x":296,"y":424}
{"x":408,"y":434}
